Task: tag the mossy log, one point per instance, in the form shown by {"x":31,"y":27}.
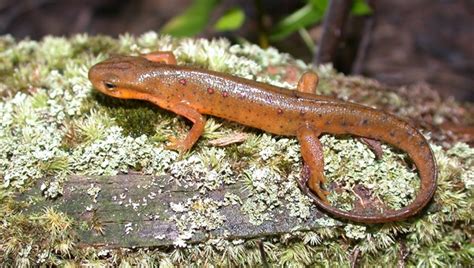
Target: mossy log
{"x":134,"y":210}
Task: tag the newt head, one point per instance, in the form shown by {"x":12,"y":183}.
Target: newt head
{"x":120,"y":77}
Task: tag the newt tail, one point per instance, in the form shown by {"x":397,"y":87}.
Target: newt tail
{"x":394,"y":131}
{"x":194,"y":93}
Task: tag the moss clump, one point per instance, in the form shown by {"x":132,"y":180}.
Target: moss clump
{"x":43,"y":238}
{"x":136,"y":118}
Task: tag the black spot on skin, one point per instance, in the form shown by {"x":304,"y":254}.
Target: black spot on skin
{"x":421,"y":144}
{"x":392,"y":133}
{"x":295,"y":94}
{"x":365,"y":121}
{"x":343,"y":123}
{"x":320,"y":115}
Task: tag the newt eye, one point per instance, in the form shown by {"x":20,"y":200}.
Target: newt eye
{"x":109,"y":85}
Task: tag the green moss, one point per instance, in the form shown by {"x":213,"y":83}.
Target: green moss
{"x":25,"y":236}
{"x":55,"y":165}
{"x":94,"y":45}
{"x":135,"y":117}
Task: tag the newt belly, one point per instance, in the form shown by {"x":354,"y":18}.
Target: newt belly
{"x":193,"y":93}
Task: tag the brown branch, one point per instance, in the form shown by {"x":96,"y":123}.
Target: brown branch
{"x":364,"y":44}
{"x":334,"y":21}
{"x":134,"y":211}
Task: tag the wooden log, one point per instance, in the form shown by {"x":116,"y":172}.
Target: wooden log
{"x":134,"y":211}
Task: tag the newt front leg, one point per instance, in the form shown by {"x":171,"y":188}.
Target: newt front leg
{"x":199,"y":122}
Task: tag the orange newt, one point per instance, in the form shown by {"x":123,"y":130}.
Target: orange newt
{"x":193,"y":93}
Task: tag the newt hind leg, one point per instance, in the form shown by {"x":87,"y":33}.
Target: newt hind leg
{"x":374,"y":145}
{"x":308,"y":82}
{"x":312,"y":152}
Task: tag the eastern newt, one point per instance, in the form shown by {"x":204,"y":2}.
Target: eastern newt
{"x":193,"y":93}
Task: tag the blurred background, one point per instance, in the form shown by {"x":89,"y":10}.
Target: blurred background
{"x":398,"y":42}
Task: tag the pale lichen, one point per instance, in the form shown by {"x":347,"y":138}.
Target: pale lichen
{"x":465,"y":154}
{"x":263,"y":185}
{"x":350,"y":163}
{"x":115,"y":153}
{"x":205,"y":171}
{"x":196,"y":214}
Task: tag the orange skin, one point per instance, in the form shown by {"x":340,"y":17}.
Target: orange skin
{"x":193,"y":93}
